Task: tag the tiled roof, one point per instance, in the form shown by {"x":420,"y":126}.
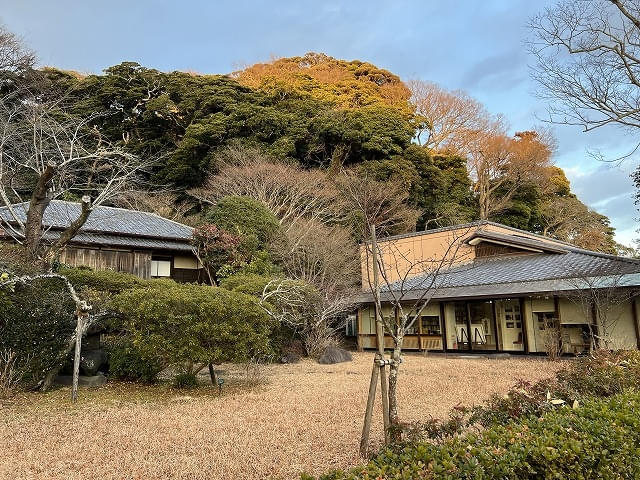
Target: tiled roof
{"x":527,"y":273}
{"x":110,"y":226}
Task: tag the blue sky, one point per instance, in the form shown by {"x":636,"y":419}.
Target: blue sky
{"x":467,"y":44}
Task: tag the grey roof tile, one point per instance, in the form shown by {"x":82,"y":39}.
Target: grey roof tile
{"x":60,"y":214}
{"x":109,"y":226}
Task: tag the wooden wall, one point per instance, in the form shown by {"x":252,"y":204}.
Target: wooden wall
{"x":138,"y":263}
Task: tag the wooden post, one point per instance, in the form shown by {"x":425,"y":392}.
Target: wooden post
{"x":443,"y":328}
{"x":636,"y":321}
{"x":525,"y":330}
{"x":378,"y":362}
{"x":364,"y":439}
{"x":494,"y":311}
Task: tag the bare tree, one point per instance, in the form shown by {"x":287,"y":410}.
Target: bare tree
{"x":48,"y":153}
{"x":600,"y":299}
{"x":15,"y":58}
{"x":288,"y":191}
{"x":314,"y":314}
{"x":419,"y":279}
{"x":448,"y":120}
{"x":588,"y":62}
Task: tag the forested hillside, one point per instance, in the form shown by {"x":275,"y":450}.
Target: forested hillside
{"x":456,"y":161}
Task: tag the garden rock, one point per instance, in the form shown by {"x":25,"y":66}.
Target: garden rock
{"x":91,"y":361}
{"x":83,"y":381}
{"x":290,"y":357}
{"x":334,"y":355}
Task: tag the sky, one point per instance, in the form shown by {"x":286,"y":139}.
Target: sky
{"x":476,"y":46}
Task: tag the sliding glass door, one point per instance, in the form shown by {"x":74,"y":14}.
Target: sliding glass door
{"x":475,"y":326}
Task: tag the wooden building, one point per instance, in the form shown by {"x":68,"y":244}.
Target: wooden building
{"x":121,"y":240}
{"x":504,"y":290}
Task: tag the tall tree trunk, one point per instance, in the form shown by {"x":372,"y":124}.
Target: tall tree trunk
{"x":394,"y":371}
{"x":37,"y":205}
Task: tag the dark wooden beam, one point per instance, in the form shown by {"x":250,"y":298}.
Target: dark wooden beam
{"x":495,"y":323}
{"x":636,"y":321}
{"x":525,"y":331}
{"x":443,"y":327}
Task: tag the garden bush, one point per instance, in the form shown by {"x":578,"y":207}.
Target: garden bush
{"x":36,"y":322}
{"x":101,"y":280}
{"x":184,"y":325}
{"x":126,"y":362}
{"x":598,"y":439}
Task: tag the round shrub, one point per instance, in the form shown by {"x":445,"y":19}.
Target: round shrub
{"x":101,"y":280}
{"x":187,"y":324}
{"x":246,"y":217}
{"x":185,"y":380}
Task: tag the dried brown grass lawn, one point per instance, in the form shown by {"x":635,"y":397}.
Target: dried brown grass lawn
{"x":306,"y":417}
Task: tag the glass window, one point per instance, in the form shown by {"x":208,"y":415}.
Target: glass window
{"x":160,"y":268}
{"x":431,"y":325}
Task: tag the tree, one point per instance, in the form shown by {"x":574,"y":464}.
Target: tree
{"x":48,"y":153}
{"x":587,"y":62}
{"x":215,"y":247}
{"x":288,"y":191}
{"x":346,"y":84}
{"x":15,"y":58}
{"x":500,"y":165}
{"x":191,"y":326}
{"x":381,"y":209}
{"x":448,"y":121}
{"x":247,"y":218}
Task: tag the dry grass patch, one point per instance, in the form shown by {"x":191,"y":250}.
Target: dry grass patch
{"x":305,"y":417}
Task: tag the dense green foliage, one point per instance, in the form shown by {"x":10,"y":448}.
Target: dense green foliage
{"x":186,"y":324}
{"x":126,"y":362}
{"x":36,"y":322}
{"x":101,"y":280}
{"x":582,"y":424}
{"x":247,"y":218}
{"x":599,"y":439}
{"x":315,"y":111}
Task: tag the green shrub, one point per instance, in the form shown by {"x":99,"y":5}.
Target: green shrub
{"x":600,"y":439}
{"x":178,"y":324}
{"x":185,"y":380}
{"x":248,"y":283}
{"x":101,"y":280}
{"x":126,"y":362}
{"x":36,"y":322}
{"x":246,"y":217}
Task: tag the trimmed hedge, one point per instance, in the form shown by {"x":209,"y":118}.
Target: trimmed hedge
{"x":101,"y":280}
{"x":599,"y":439}
{"x":184,"y":324}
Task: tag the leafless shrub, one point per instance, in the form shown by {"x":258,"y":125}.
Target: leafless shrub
{"x":553,"y":343}
{"x":10,"y":373}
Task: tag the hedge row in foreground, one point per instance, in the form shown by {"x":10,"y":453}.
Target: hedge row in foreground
{"x":599,"y":439}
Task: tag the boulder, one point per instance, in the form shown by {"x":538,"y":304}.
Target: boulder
{"x":91,"y":361}
{"x":290,"y":357}
{"x":334,"y":355}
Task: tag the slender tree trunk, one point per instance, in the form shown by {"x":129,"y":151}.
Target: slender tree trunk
{"x":394,"y":371}
{"x":212,"y":374}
